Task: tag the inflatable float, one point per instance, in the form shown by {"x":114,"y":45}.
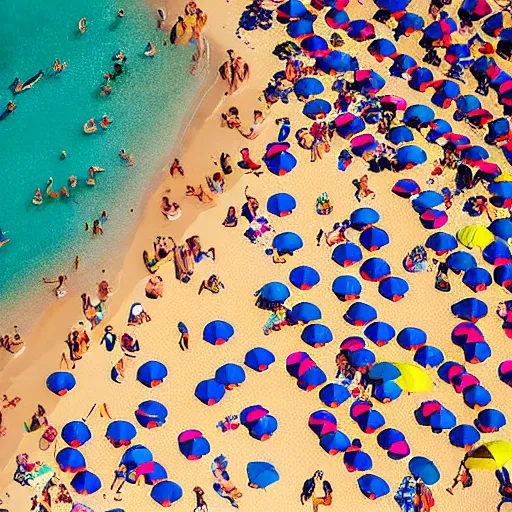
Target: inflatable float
{"x":90,"y":126}
{"x":82,"y":25}
{"x":16,"y":87}
{"x":150,"y":50}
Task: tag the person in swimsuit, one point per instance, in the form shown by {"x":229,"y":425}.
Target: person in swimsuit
{"x":184,"y":338}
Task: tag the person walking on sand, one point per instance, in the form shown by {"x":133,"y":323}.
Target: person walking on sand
{"x":326,"y":499}
{"x":59,"y":290}
{"x":201,"y":505}
{"x":183,"y":342}
{"x":176,"y":168}
{"x":463,"y":476}
{"x":77,"y":262}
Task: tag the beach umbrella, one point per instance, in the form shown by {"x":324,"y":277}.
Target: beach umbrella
{"x":411,"y":338}
{"x":406,"y":188}
{"x":374,"y":269}
{"x":361,"y":358}
{"x":151,"y":414}
{"x":399,"y":135}
{"x":274,"y":148}
{"x":460,"y":53}
{"x":416,"y":115}
{"x":300,"y":29}
{"x":477,"y":352}
{"x":373,"y":238}
{"x":334,"y":442}
{"x":60,"y":383}
{"x":322,"y":422}
{"x":370,"y":421}
{"x":499,"y":130}
{"x":358,"y":408}
{"x":440,"y":30}
{"x":501,"y":188}
{"x":446,"y":92}
{"x":505,"y":372}
{"x":466,"y":104}
{"x":389,"y":436}
{"x":427,"y":200}
{"x":461,"y":261}
{"x":373,"y":486}
{"x":287,"y":243}
{"x":382,"y":48}
{"x":193,"y":445}
{"x":438,"y":128}
{"x":261,"y":474}
{"x":314,"y":46}
{"x":497,"y":253}
{"x":158,"y":474}
{"x":317,"y":335}
{"x":428,"y":356}
{"x":476,"y":396}
{"x":120,"y":433}
{"x":503,"y":276}
{"x":317,"y":109}
{"x":463,"y":380}
{"x":466,"y":332}
{"x":305,"y":312}
{"x":297,"y":363}
{"x":502,"y":228}
{"x":473,"y":10}
{"x":420,"y":79}
{"x":479,"y":117}
{"x":166,"y":493}
{"x":347,"y":254}
{"x":402,"y":63}
{"x":85,"y":483}
{"x":304,"y":277}
{"x":348,"y":125}
{"x":135,"y":456}
{"x":218,"y":332}
{"x":209,"y":391}
{"x":333,"y":395}
{"x":337,"y":19}
{"x":362,"y":144}
{"x":311,"y":379}
{"x":492,"y":455}
{"x":363,"y":217}
{"x":490,"y":420}
{"x":477,"y":278}
{"x":393,"y":288}
{"x":281,"y":204}
{"x":425,"y":410}
{"x":230,"y":375}
{"x":76,"y":433}
{"x":360,"y":30}
{"x":259,"y":359}
{"x":387,"y":391}
{"x":360,"y":313}
{"x":357,"y":460}
{"x":413,"y":379}
{"x":408,"y":24}
{"x":440,"y":420}
{"x":273,"y":293}
{"x":474,"y":154}
{"x":493,"y":25}
{"x":292,"y":9}
{"x":441,"y":243}
{"x":421,"y":467}
{"x":308,"y":86}
{"x":347,"y":288}
{"x":337,"y":62}
{"x":390,"y":103}
{"x":381,"y":333}
{"x":250,"y":415}
{"x":281,"y":163}
{"x":433,"y":219}
{"x":448,"y":370}
{"x":470,"y":309}
{"x":70,"y":460}
{"x":367,"y":81}
{"x":152,"y":373}
{"x":264,"y":428}
{"x":352,"y":343}
{"x":392,"y":5}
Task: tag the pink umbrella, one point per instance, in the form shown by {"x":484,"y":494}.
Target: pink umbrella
{"x":399,"y":450}
{"x":352,"y":344}
{"x":275,"y":148}
{"x":464,"y":380}
{"x":400,"y":103}
{"x":188,"y":435}
{"x":430,"y":407}
{"x":359,"y":407}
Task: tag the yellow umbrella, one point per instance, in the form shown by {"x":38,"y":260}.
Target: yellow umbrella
{"x":493,"y":455}
{"x":505,"y":176}
{"x":475,"y":236}
{"x":413,"y":379}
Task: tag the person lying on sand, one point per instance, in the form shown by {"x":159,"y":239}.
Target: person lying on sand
{"x":235,"y":71}
{"x":10,"y":404}
{"x":199,"y":193}
{"x":231,"y":119}
{"x":176,"y":168}
{"x":213,"y":284}
{"x":155,"y":287}
{"x":256,"y":128}
{"x":171,"y":211}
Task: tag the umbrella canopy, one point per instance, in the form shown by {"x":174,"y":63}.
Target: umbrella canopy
{"x":502,"y":228}
{"x":501,"y":188}
{"x":477,"y":278}
{"x":461,"y":261}
{"x":367,"y":81}
{"x":387,"y":391}
{"x":470,"y":309}
{"x":70,"y":460}
{"x":287,"y":243}
{"x":297,"y":363}
{"x":505,"y":372}
{"x":152,"y":373}
{"x":305,"y":312}
{"x":420,"y":79}
{"x":382,"y":48}
{"x":259,"y":359}
{"x":322,"y":422}
{"x":474,"y":154}
{"x":264,"y":428}
{"x":261,"y":474}
{"x":492,"y":455}
{"x":281,"y":204}
{"x":475,"y":236}
{"x":381,"y":333}
{"x":291,"y":9}
{"x":337,"y":19}
{"x":315,"y":46}
{"x":448,"y":370}
{"x":373,"y":238}
{"x":299,"y":29}
{"x":361,"y":358}
{"x":427,"y":200}
{"x":76,"y":433}
{"x":392,"y":5}
{"x":357,"y":460}
{"x":440,"y":420}
{"x":337,"y":62}
{"x":441,"y":242}
{"x":477,"y":352}
{"x":218,"y":332}
{"x":399,"y":135}
{"x":304,"y":277}
{"x":433,"y":219}
{"x":333,"y":395}
{"x":466,"y":104}
{"x":346,"y":288}
{"x":166,"y":493}
{"x":334,"y":442}
{"x":393,"y":288}
{"x":406,"y":188}
{"x":274,"y":292}
{"x":438,"y":128}
{"x":389,"y":436}
{"x":317,"y":109}
{"x":281,"y":163}
{"x":120,"y":433}
{"x":362,"y":144}
{"x":490,"y":420}
{"x":308,"y":86}
{"x":411,"y":338}
{"x":392,"y":103}
{"x":193,"y":445}
{"x":413,"y":379}
{"x":363,"y":217}
{"x":370,"y":421}
{"x":151,"y":414}
{"x":360,"y":313}
{"x":416,"y":115}
{"x":463,"y":380}
{"x":428,"y":356}
{"x":384,"y":371}
{"x":347,"y":254}
{"x":352,"y":343}
{"x":230,"y":375}
{"x":360,"y":30}
{"x":373,"y":486}
{"x":348,"y":125}
{"x":60,"y":383}
{"x":497,"y":253}
{"x":466,"y":332}
{"x":476,"y":396}
{"x":446,"y":92}
{"x":402,"y":64}
{"x":375,"y":269}
{"x":135,"y":456}
{"x":503,"y":276}
{"x":317,"y":335}
{"x":421,"y":467}
{"x":209,"y":391}
{"x":311,"y":379}
{"x":410,"y":23}
{"x":85,"y":483}
{"x":157,"y":475}
{"x":252,"y":414}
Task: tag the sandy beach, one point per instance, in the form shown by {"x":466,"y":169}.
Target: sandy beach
{"x":243,"y":268}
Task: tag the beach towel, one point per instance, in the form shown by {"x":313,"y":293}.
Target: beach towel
{"x":184,"y":263}
{"x":416,"y":260}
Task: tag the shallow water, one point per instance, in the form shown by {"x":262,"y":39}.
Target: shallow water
{"x":147,"y":106}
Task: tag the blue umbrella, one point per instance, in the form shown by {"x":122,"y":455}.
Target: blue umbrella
{"x":304,"y":277}
{"x":368,"y":81}
{"x":120,"y":432}
{"x":401,"y":64}
{"x":409,"y":23}
{"x":373,"y":239}
{"x":493,"y":25}
{"x":502,"y":228}
{"x":416,"y":115}
{"x":314,"y":46}
{"x":361,"y":358}
{"x":135,"y":456}
{"x":477,"y":278}
{"x":420,"y":78}
{"x":337,"y":19}
{"x":460,"y":53}
{"x":363,"y":217}
{"x":470,"y":309}
{"x":85,"y":483}
{"x":151,"y":373}
{"x":439,"y":127}
{"x":281,"y":163}
{"x":393,"y":288}
{"x":380,"y":333}
{"x":375,"y":269}
{"x":281,"y":204}
{"x":334,"y":442}
{"x":497,"y":253}
{"x":250,"y":415}
{"x":151,"y":414}
{"x":347,"y":254}
{"x":322,"y":422}
{"x":346,"y":288}
{"x":445,"y":93}
{"x":464,"y":435}
{"x":317,"y":335}
{"x":503,"y":275}
{"x":259,"y":359}
{"x":428,"y":356}
{"x":300,"y":28}
{"x":157,"y":475}
{"x":436,"y":29}
{"x":360,"y":30}
{"x":305,"y":312}
{"x":194,"y":446}
{"x":426,"y":200}
{"x":230,"y":374}
{"x":337,"y":62}
{"x":166,"y":493}
{"x":406,"y":188}
{"x":209,"y":391}
{"x":311,"y":379}
{"x":308,"y":86}
{"x":360,"y":313}
{"x":421,"y":467}
{"x":317,"y":109}
{"x":357,"y":460}
{"x":501,"y":188}
{"x":411,"y":338}
{"x":399,"y":135}
{"x":441,"y":242}
{"x":287,"y":243}
{"x":264,"y":428}
{"x":218,"y":332}
{"x":76,"y":433}
{"x":474,"y":154}
{"x":373,"y":486}
{"x":387,"y":437}
{"x":70,"y":460}
{"x":274,"y":292}
{"x":461,"y":261}
{"x":476,"y":395}
{"x":370,"y":421}
{"x":387,"y":391}
{"x":445,"y":369}
{"x":466,"y":104}
{"x":261,"y":474}
{"x":477,"y":352}
{"x":348,"y":125}
{"x":440,"y":420}
{"x":392,"y":5}
{"x":291,"y":9}
{"x":60,"y":383}
{"x":381,"y":48}
{"x":490,"y":420}
{"x":333,"y":394}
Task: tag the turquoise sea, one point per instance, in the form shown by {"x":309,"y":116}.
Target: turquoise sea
{"x":147,"y":105}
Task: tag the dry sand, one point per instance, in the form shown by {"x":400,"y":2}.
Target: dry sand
{"x":243,"y":268}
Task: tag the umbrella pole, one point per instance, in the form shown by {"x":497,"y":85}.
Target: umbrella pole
{"x":90,"y":412}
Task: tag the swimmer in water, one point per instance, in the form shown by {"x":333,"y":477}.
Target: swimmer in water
{"x":120,"y":13}
{"x":58,"y":66}
{"x":119,"y":56}
{"x":122,"y":154}
{"x":38,"y":198}
{"x":96,"y":228}
{"x":73,"y":181}
{"x":106,"y":89}
{"x":63,"y":154}
{"x":105,"y":121}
